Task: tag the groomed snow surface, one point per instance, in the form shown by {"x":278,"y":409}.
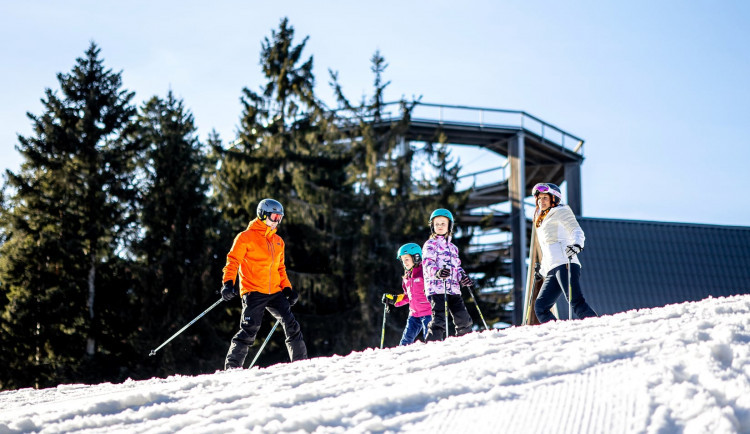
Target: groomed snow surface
{"x":681,"y":368}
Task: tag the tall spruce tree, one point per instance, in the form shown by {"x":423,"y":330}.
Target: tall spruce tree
{"x":176,"y":248}
{"x":69,"y":204}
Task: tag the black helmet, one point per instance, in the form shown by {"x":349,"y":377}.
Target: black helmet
{"x":266,"y":207}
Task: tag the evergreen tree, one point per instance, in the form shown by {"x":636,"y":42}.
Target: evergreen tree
{"x":69,"y":205}
{"x":282,"y":150}
{"x":175,"y":251}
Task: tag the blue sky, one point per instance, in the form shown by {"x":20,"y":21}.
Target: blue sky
{"x":659,"y":90}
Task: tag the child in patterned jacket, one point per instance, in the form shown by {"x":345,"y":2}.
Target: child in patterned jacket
{"x":412,"y":284}
{"x":444,"y":278}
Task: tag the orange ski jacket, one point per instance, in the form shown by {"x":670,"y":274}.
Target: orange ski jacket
{"x":258,"y":256}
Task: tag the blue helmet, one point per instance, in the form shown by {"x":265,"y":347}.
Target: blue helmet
{"x":442,"y":212}
{"x":410,"y":249}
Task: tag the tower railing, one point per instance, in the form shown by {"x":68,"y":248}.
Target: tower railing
{"x":483,"y":117}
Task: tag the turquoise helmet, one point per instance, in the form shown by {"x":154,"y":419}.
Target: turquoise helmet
{"x":442,"y":212}
{"x":410,"y":249}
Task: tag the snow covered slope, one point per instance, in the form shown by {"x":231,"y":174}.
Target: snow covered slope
{"x":682,"y":368}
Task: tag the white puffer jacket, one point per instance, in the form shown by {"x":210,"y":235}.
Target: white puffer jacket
{"x":558,"y":230}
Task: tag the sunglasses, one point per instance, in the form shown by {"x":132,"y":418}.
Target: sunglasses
{"x":274,"y":217}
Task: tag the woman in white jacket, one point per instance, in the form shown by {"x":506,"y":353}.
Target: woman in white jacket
{"x":560,"y":237}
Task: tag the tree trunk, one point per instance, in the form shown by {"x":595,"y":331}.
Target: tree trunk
{"x":90,"y":343}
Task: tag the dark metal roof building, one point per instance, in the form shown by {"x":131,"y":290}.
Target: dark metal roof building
{"x":632,"y":264}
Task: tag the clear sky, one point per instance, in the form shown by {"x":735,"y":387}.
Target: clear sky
{"x":658,"y":89}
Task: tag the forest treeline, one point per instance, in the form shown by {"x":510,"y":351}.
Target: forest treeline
{"x":116,"y":226}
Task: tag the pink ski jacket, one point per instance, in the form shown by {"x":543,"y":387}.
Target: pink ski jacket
{"x":436,"y":253}
{"x":413,"y":285}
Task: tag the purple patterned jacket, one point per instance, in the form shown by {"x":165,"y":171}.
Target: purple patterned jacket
{"x":436,"y":253}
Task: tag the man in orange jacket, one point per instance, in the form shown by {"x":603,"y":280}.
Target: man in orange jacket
{"x":257,"y":257}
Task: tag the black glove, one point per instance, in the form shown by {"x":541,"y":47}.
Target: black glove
{"x":291,"y":295}
{"x":227,"y":291}
{"x":443,"y":273}
{"x":573,"y":249}
{"x":466,"y":281}
{"x":390,"y":299}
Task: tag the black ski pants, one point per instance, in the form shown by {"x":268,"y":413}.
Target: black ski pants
{"x":456,"y":307}
{"x":253,"y":305}
{"x":556,"y":284}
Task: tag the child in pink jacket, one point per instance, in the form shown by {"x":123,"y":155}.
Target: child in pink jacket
{"x":413,"y":286}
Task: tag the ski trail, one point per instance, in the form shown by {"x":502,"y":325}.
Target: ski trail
{"x":682,"y":368}
{"x":603,"y":398}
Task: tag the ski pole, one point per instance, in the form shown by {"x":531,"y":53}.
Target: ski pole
{"x":264,"y":343}
{"x":153,"y":352}
{"x":382,"y":331}
{"x":570,"y":291}
{"x":476,"y":303}
{"x":445,"y":297}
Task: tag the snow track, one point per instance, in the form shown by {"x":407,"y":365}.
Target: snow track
{"x":681,"y":368}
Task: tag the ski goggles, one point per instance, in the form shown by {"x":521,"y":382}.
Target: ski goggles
{"x":275,"y":217}
{"x":544,"y":188}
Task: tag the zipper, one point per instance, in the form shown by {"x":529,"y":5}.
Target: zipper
{"x":270,"y":267}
